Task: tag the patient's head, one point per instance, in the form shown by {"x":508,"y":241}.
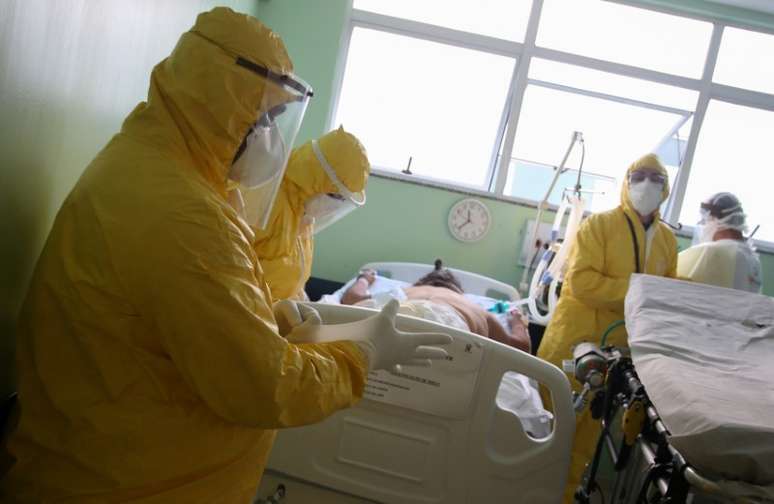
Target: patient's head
{"x":441,"y":277}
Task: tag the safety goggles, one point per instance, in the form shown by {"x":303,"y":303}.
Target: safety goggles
{"x":638,"y":176}
{"x":708,"y":209}
{"x":261,"y":160}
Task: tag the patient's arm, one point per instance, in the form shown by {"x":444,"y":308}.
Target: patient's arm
{"x":359,"y":290}
{"x":518,"y":337}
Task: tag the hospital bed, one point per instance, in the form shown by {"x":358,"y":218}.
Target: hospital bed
{"x":429,"y":435}
{"x":688,"y":414}
{"x":392,"y":277}
{"x":517,"y":393}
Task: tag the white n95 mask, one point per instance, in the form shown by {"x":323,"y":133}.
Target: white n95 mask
{"x":262,"y":158}
{"x":325,"y":209}
{"x":645,"y":196}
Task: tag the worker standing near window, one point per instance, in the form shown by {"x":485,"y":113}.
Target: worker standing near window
{"x":722,"y":255}
{"x":610,"y":247}
{"x":324,"y":181}
{"x":151,"y":365}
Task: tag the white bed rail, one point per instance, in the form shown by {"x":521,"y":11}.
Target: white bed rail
{"x":394,"y":450}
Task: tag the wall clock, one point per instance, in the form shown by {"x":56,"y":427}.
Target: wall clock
{"x":469,"y":220}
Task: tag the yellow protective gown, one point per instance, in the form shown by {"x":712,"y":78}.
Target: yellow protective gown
{"x":726,"y":263}
{"x":150,"y":365}
{"x":286,"y":246}
{"x":592,"y":298}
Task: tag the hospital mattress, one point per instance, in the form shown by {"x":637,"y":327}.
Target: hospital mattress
{"x":706,"y":358}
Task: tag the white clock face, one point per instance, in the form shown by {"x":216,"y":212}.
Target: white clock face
{"x":469,"y":220}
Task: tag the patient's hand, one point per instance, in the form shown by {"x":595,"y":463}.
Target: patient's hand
{"x":359,"y":290}
{"x":515,"y":319}
{"x":518,"y":337}
{"x":369,"y":274}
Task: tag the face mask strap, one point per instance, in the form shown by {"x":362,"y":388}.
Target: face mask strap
{"x":357,"y":199}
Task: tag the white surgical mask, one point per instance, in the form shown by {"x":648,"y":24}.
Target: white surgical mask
{"x":262,"y":158}
{"x":323,"y":210}
{"x":645,"y":196}
{"x":705,"y":231}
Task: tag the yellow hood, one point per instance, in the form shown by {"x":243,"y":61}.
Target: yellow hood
{"x":646,"y":161}
{"x":200,"y":102}
{"x":344,"y":153}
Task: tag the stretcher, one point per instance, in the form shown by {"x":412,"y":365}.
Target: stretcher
{"x":687,"y":413}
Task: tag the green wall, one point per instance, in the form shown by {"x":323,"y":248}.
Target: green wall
{"x":70,"y":71}
{"x":404,"y":221}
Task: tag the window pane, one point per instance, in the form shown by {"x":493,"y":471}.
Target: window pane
{"x":617,"y":85}
{"x":623,"y":34}
{"x":410,"y":98}
{"x":733,"y":154}
{"x":615,"y":135}
{"x":745,"y":60}
{"x":505,"y":19}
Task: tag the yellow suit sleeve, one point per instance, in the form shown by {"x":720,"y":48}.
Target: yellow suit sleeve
{"x":586,"y":272}
{"x":204,"y":299}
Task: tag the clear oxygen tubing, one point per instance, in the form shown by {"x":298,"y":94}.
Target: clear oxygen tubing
{"x":550,"y":270}
{"x":577,"y":137}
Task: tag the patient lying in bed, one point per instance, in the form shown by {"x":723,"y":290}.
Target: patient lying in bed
{"x":439,"y":296}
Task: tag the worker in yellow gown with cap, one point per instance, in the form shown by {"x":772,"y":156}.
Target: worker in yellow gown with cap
{"x":324,"y":181}
{"x":610,"y":247}
{"x":151,"y":364}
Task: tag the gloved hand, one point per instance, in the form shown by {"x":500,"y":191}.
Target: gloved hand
{"x":297,"y":322}
{"x":388,"y":348}
{"x":384,"y":346}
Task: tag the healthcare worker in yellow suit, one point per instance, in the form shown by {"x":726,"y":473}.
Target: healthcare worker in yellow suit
{"x":324,"y":181}
{"x":610,"y":247}
{"x":151,"y":366}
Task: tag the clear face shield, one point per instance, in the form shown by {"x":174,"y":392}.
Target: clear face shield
{"x":325,"y":209}
{"x":713,"y":219}
{"x":261,"y":159}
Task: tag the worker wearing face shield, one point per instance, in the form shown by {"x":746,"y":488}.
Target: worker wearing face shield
{"x":610,"y":247}
{"x":151,"y":365}
{"x":324,"y":181}
{"x":721,"y":254}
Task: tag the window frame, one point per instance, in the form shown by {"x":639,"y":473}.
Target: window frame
{"x":523,"y":52}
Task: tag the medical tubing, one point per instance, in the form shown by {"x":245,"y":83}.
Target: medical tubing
{"x":532,"y":303}
{"x":612,"y":327}
{"x":575,"y":204}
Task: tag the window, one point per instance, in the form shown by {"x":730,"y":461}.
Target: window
{"x":617,"y":129}
{"x":622,"y":34}
{"x":615,"y":135}
{"x":505,"y":19}
{"x":745,"y":60}
{"x":612,"y":84}
{"x":734,"y":154}
{"x":487,"y":96}
{"x":412,"y":99}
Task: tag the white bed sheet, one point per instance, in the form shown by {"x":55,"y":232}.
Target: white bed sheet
{"x":706,"y":357}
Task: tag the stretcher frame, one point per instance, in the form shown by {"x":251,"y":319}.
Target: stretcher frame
{"x":670,"y":478}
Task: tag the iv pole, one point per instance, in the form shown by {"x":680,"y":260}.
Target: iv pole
{"x":577,"y":137}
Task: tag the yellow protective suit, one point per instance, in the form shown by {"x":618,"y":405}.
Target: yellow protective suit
{"x":151,"y":369}
{"x":593,"y":294}
{"x":286,"y":246}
